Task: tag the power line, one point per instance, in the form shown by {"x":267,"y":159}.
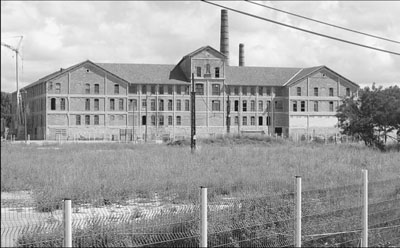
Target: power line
{"x":332,"y":25}
{"x":304,"y":30}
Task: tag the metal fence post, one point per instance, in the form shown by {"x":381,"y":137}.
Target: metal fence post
{"x":364,"y":239}
{"x":67,"y":223}
{"x":203,"y":217}
{"x":298,"y":212}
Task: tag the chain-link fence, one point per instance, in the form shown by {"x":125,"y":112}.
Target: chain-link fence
{"x":330,"y":217}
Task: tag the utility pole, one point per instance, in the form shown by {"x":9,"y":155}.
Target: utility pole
{"x":133,"y":121}
{"x":193,"y":117}
{"x":228,"y":114}
{"x":145,"y":132}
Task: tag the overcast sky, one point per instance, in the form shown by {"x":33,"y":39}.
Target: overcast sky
{"x":60,"y":34}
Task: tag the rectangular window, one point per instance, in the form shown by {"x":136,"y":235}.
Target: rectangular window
{"x":236,"y":120}
{"x":170,"y":89}
{"x":268,"y":91}
{"x":253,"y":91}
{"x":252,"y":121}
{"x":260,"y":90}
{"x":199,"y":89}
{"x":87,"y":104}
{"x":268,"y":121}
{"x":87,"y":88}
{"x":236,"y":91}
{"x":260,"y":120}
{"x":347,"y":91}
{"x":78,"y":120}
{"x":153,"y":105}
{"x":179,"y":89}
{"x":132,"y":89}
{"x":87,"y":119}
{"x":315,"y":91}
{"x":303,"y":106}
{"x":331,"y":106}
{"x":144,"y":120}
{"x":330,"y":91}
{"x":216,"y":72}
{"x":252,"y":105}
{"x":169,"y":105}
{"x":112,"y":104}
{"x":153,"y":89}
{"x":96,"y":120}
{"x":144,"y":104}
{"x":244,"y":106}
{"x":116,"y":89}
{"x":97,"y":89}
{"x":236,"y":105}
{"x":96,"y":104}
{"x":198,"y":71}
{"x":187,"y":105}
{"x":294,"y":106}
{"x":58,"y":88}
{"x":315,"y":106}
{"x":244,"y":90}
{"x":121,"y":104}
{"x":178,"y":105}
{"x":169,"y":120}
{"x":216,"y":89}
{"x":178,"y":120}
{"x":62,"y":104}
{"x":298,"y":91}
{"x":215,"y":105}
{"x":260,"y":106}
{"x":244,"y":122}
{"x":161,"y":89}
{"x":53,"y":104}
{"x":153,"y":120}
{"x":144,"y":90}
{"x":161,"y":120}
{"x":161,"y":105}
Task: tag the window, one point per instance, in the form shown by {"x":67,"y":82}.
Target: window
{"x":315,"y":106}
{"x":215,"y":105}
{"x":169,"y":120}
{"x":144,"y":90}
{"x":153,"y":89}
{"x":244,"y":122}
{"x":236,"y":105}
{"x":96,"y":104}
{"x":153,"y":105}
{"x":116,"y":89}
{"x":260,"y":120}
{"x":144,"y":104}
{"x":87,"y":88}
{"x":244,"y":106}
{"x":298,"y":91}
{"x":170,"y":89}
{"x":187,"y":105}
{"x":330,"y":91}
{"x":161,"y":120}
{"x":178,"y":120}
{"x":244,"y":90}
{"x":278,"y":105}
{"x":294,"y":106}
{"x":97,"y":89}
{"x":268,"y":106}
{"x":260,"y":106}
{"x":260,"y":91}
{"x":178,"y":105}
{"x":268,"y":121}
{"x":169,"y":105}
{"x":87,"y":119}
{"x":96,"y":120}
{"x":217,"y":72}
{"x":132,"y":89}
{"x":331,"y":106}
{"x":112,"y":104}
{"x":87,"y":104}
{"x":199,"y":89}
{"x":252,"y":121}
{"x":236,"y":120}
{"x":208,"y":71}
{"x":268,"y":91}
{"x":50,"y":85}
{"x":198,"y":71}
{"x":153,"y":120}
{"x":252,"y":105}
{"x":161,"y":105}
{"x":161,"y":89}
{"x":303,"y":106}
{"x":315,"y":91}
{"x":186,"y":88}
{"x":236,"y":90}
{"x":347,"y":91}
{"x":121,"y":104}
{"x":62,"y":104}
{"x":179,"y":89}
{"x":78,"y":120}
{"x":253,"y":91}
{"x":58,"y":88}
{"x":216,"y":89}
{"x":144,"y":120}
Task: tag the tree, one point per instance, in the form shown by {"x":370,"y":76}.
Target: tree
{"x":6,"y":107}
{"x":371,"y":116}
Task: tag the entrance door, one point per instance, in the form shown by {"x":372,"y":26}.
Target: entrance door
{"x":278,"y":131}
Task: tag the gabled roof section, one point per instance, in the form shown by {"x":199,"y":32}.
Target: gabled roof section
{"x":146,"y":73}
{"x":268,"y":76}
{"x":209,"y":48}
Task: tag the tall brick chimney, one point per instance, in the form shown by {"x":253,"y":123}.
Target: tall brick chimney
{"x":224,"y":42}
{"x":241,"y":54}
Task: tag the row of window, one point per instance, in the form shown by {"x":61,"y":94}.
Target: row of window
{"x":87,"y":118}
{"x":316,"y":91}
{"x":315,"y":106}
{"x":207,"y":73}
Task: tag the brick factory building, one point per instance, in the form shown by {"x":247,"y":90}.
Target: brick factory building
{"x":110,"y":100}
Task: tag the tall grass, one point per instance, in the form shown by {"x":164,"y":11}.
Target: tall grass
{"x":122,"y":171}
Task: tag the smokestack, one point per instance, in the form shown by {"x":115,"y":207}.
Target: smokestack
{"x":224,"y":44}
{"x":241,"y":54}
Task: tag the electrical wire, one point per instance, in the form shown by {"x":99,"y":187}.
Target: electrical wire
{"x":301,"y":29}
{"x":325,"y":23}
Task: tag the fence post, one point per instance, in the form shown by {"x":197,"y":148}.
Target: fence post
{"x":203,"y":216}
{"x":67,"y":223}
{"x":364,"y":239}
{"x":298,"y":212}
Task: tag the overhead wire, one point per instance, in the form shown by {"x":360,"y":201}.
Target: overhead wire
{"x":321,"y":22}
{"x":301,"y":29}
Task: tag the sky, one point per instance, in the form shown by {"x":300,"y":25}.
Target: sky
{"x":58,"y":34}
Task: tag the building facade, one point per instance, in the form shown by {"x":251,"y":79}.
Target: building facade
{"x":120,"y":101}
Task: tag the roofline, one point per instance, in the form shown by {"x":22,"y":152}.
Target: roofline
{"x":297,"y":73}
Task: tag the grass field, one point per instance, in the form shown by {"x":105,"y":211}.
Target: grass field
{"x":248,"y":167}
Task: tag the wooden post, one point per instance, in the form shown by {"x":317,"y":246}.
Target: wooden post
{"x":203,"y":217}
{"x":67,"y":223}
{"x":298,"y":212}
